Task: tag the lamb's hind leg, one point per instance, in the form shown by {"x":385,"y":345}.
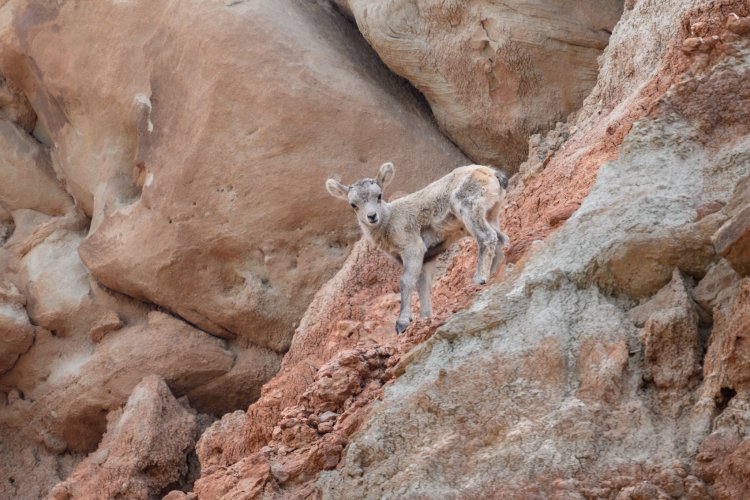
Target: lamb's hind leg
{"x":502,"y":239}
{"x":487,"y":241}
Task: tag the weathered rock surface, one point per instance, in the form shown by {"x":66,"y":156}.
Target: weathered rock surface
{"x":343,"y":352}
{"x":717,"y":286}
{"x":185,"y":153}
{"x":723,"y":456}
{"x":493,"y":72}
{"x":642,"y":61}
{"x":57,"y":285}
{"x":79,"y":389}
{"x":161,"y":180}
{"x":16,"y":332}
{"x":580,"y":374}
{"x":144,"y":449}
{"x":531,"y":352}
{"x":732,"y":240}
{"x":26,"y":176}
{"x":672,"y":346}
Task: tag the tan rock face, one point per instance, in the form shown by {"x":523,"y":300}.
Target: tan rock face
{"x":70,"y":384}
{"x":28,"y":180}
{"x":202,"y":164}
{"x":493,"y":72}
{"x":16,"y":332}
{"x":144,"y":449}
{"x":57,"y":285}
{"x":541,"y":388}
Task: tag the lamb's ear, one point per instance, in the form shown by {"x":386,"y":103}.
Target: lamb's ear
{"x":385,"y":175}
{"x":337,"y":190}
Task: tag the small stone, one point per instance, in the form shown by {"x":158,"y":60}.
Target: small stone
{"x":99,"y":456}
{"x":53,"y":443}
{"x":109,"y":322}
{"x":738,"y":25}
{"x":325,"y":427}
{"x":328,"y":416}
{"x":706,"y":209}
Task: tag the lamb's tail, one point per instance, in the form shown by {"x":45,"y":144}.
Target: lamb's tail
{"x":502,"y":178}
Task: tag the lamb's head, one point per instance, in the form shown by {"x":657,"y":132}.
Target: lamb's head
{"x":365,"y":196}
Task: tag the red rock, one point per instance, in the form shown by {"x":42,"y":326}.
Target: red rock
{"x":738,"y":25}
{"x":560,"y":214}
{"x":717,"y":286}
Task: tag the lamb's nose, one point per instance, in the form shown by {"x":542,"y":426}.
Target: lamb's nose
{"x":373,"y":217}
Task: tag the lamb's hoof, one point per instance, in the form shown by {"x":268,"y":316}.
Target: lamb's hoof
{"x":401,"y":326}
{"x":478,"y":281}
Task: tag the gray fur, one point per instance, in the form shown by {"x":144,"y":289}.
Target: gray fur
{"x":418,"y":227}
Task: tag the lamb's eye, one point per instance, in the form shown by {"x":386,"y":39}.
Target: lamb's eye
{"x":380,"y":197}
{"x":353,"y":206}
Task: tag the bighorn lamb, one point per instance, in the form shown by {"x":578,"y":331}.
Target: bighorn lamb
{"x":415,"y":229}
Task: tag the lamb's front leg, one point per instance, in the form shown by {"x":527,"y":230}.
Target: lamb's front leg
{"x":412,"y":269}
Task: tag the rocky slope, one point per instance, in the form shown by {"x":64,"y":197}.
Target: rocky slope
{"x":143,"y":289}
{"x":581,"y":374}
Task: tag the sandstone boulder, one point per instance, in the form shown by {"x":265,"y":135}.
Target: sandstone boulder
{"x":202,"y":164}
{"x":493,"y":72}
{"x":57,"y":285}
{"x":26,"y":176}
{"x":16,"y":332}
{"x":144,"y":449}
{"x":69,"y":395}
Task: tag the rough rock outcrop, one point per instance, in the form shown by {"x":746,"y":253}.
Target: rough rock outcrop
{"x":610,"y":361}
{"x":342,"y":354}
{"x":70,"y":397}
{"x":493,"y":72}
{"x":522,"y":354}
{"x":641,"y":63}
{"x":143,"y":451}
{"x":26,"y":176}
{"x":16,"y":332}
{"x":723,"y":458}
{"x":732,"y":240}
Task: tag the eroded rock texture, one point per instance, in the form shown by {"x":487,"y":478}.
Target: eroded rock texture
{"x":493,"y":72}
{"x":568,"y":397}
{"x":343,"y":352}
{"x":162,"y":209}
{"x":176,"y":234}
{"x":144,"y":449}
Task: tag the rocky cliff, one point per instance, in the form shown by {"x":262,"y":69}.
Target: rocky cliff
{"x":169,"y":323}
